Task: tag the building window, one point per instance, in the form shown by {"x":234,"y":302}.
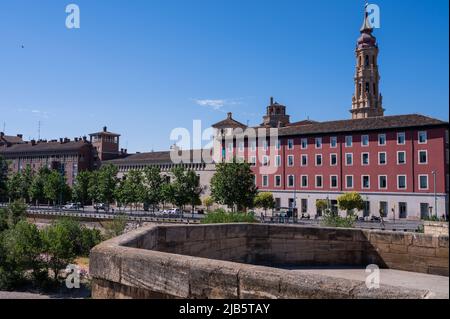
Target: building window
{"x":382,"y":182}
{"x":253,"y":161}
{"x":277,"y":181}
{"x":278,"y":161}
{"x":382,"y":139}
{"x":291,"y":181}
{"x":304,"y":205}
{"x":265,"y":145}
{"x":365,"y":159}
{"x":401,"y":181}
{"x":349,"y":159}
{"x":265,"y":160}
{"x":403,"y":210}
{"x":253,"y":146}
{"x":304,"y":181}
{"x":423,"y":182}
{"x":382,"y":158}
{"x":319,"y":181}
{"x":290,"y":144}
{"x":365,"y":140}
{"x":319,"y":160}
{"x":349,"y":181}
{"x":365,"y":182}
{"x":265,"y":181}
{"x":241,"y":159}
{"x":423,"y":137}
{"x":401,"y":138}
{"x":304,"y":160}
{"x":241,"y":146}
{"x":348,"y":141}
{"x":230,"y":147}
{"x":333,"y":181}
{"x":423,"y":157}
{"x":333,"y":159}
{"x":278,"y":145}
{"x":333,"y":142}
{"x":304,"y":143}
{"x":401,"y":157}
{"x":291,"y":160}
{"x":318,"y":143}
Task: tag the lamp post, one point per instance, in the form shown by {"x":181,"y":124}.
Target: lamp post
{"x":435,"y":196}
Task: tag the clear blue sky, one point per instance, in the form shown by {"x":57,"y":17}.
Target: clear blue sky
{"x":144,"y":67}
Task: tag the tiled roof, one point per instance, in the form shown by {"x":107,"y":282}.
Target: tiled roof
{"x":43,"y":147}
{"x":229,"y":122}
{"x":360,"y":125}
{"x":12,"y":139}
{"x":148,"y":158}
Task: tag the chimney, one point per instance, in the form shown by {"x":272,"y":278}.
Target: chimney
{"x":19,"y":135}
{"x":105,"y":129}
{"x":33,"y":142}
{"x":76,"y":139}
{"x":2,"y":134}
{"x":61,"y":140}
{"x":230,"y":115}
{"x":271,"y":100}
{"x":84,"y":138}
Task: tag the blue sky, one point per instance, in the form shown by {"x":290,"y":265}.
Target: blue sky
{"x":144,"y":67}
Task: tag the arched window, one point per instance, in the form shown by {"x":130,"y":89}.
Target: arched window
{"x":367,"y":60}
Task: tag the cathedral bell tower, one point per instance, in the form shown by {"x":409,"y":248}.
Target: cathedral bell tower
{"x":367,"y":100}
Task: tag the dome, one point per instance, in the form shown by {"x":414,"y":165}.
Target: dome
{"x":366,"y":40}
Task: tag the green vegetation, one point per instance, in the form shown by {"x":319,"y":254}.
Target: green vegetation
{"x":233,"y":185}
{"x":330,"y":219}
{"x":220,"y":216}
{"x":350,"y":202}
{"x":208,"y":202}
{"x":264,"y":201}
{"x":29,"y":255}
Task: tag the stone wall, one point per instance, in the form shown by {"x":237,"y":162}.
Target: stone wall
{"x":435,"y":228}
{"x":228,"y":261}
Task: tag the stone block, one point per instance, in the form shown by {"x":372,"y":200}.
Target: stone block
{"x":422,"y":251}
{"x":195,"y":233}
{"x":401,"y":249}
{"x":237,"y":230}
{"x":442,"y":252}
{"x":105,"y":263}
{"x":422,"y":240}
{"x":176,"y":234}
{"x":259,"y":283}
{"x":212,"y":279}
{"x":443,"y":241}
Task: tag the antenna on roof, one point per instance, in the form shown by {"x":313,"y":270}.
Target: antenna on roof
{"x":39,"y":130}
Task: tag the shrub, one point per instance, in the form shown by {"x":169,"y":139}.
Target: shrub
{"x":116,"y":227}
{"x":220,"y":216}
{"x":334,"y":220}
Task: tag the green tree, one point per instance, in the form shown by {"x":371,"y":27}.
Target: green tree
{"x":3,"y":178}
{"x":26,"y":179}
{"x":321,"y":205}
{"x":24,"y":245}
{"x":350,"y":202}
{"x":167,"y":193}
{"x":58,"y":247}
{"x":81,"y":187}
{"x":14,"y":187}
{"x":264,"y":201}
{"x":15,"y":212}
{"x":132,"y":189}
{"x":55,"y":188}
{"x":103,"y":184}
{"x":153,"y":186}
{"x":36,"y":191}
{"x":208,"y":202}
{"x":233,"y":185}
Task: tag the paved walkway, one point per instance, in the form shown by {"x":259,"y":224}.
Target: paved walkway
{"x":438,"y":285}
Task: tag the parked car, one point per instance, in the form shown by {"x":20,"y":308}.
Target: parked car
{"x":100,"y":206}
{"x":175,"y":211}
{"x":72,"y":206}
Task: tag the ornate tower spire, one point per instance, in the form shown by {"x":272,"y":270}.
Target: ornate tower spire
{"x":367,"y":100}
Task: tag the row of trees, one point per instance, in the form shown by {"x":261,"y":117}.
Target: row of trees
{"x":28,"y":254}
{"x":148,"y":187}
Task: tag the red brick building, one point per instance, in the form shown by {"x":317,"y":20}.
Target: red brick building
{"x":67,"y":156}
{"x":398,"y":163}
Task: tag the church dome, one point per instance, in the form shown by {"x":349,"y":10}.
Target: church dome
{"x":366,"y":40}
